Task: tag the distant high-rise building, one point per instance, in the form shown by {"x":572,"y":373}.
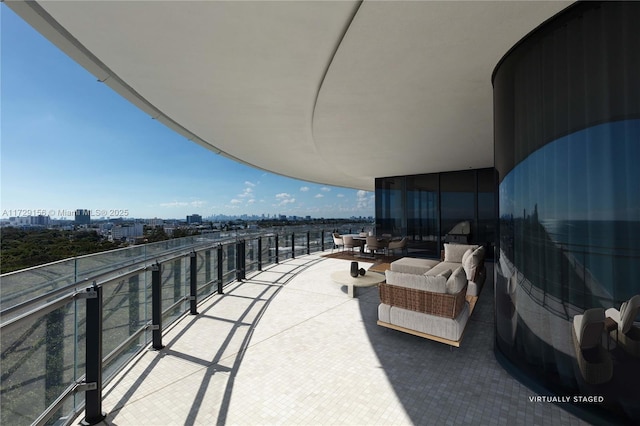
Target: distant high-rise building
{"x":40,"y":220}
{"x":82,"y":217}
{"x":194,"y":218}
{"x":155,"y":222}
{"x":131,"y":231}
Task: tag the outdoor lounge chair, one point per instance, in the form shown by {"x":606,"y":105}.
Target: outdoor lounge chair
{"x":593,"y":360}
{"x":398,"y":244}
{"x":337,"y":241}
{"x":627,"y":334}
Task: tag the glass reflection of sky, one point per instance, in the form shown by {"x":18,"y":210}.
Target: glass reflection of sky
{"x":592,"y":174}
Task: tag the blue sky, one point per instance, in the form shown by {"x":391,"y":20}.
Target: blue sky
{"x":69,"y":142}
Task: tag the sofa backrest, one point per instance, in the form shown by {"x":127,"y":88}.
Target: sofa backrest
{"x":454,"y":252}
{"x":432,"y":283}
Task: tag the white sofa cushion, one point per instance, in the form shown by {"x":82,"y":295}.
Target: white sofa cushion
{"x":448,"y":328}
{"x":454,"y":252}
{"x":384,"y":312}
{"x":473,"y":289}
{"x":435,"y":284}
{"x":456,"y":281}
{"x":412,"y":265}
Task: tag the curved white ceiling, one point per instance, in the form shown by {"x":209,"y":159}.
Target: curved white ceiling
{"x":334,"y":92}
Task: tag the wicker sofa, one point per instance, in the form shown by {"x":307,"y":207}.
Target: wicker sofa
{"x":469,"y":256}
{"x":430,"y":299}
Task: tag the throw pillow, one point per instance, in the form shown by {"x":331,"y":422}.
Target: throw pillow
{"x":470,"y":265}
{"x":445,"y":274}
{"x":624,"y":312}
{"x":472,"y":262}
{"x":466,"y":255}
{"x":480,"y":252}
{"x":456,"y":281}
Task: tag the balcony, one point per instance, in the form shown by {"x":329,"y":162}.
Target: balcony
{"x":281,"y":344}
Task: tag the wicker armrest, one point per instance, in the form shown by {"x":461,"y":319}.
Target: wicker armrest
{"x":440,"y":304}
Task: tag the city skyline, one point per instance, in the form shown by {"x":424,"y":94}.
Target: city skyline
{"x":70,"y":142}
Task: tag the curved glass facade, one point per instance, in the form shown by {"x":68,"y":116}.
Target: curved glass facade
{"x":567,"y":153}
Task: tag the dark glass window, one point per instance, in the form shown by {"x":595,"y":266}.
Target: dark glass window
{"x":390,"y":214}
{"x":487,"y":216}
{"x":430,"y":209}
{"x":423,"y":214}
{"x":458,"y":206}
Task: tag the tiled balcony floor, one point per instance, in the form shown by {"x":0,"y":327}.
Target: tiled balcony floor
{"x":287,"y":346}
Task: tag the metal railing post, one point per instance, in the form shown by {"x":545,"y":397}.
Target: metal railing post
{"x":93,"y":357}
{"x":156,"y":306}
{"x":277,"y":248}
{"x":308,"y":242}
{"x":240,"y":260}
{"x":259,"y":253}
{"x":243,"y":259}
{"x":220,"y":260}
{"x":322,"y":239}
{"x":293,"y":245}
{"x":193,"y":283}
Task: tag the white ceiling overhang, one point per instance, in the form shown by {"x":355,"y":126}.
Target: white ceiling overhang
{"x":334,"y":92}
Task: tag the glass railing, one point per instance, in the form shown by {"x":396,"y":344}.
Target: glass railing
{"x":57,"y":318}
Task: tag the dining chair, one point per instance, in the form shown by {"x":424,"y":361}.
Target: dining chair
{"x":350,"y":243}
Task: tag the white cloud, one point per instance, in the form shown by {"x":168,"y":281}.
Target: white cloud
{"x":251,"y":201}
{"x":340,"y":195}
{"x":286,"y":201}
{"x":284,"y":198}
{"x":364,"y":199}
{"x":325,"y":189}
{"x":304,"y":188}
{"x":251,"y":184}
{"x":319,"y":196}
{"x":236,"y":201}
{"x":174,"y":204}
{"x":248,"y":192}
{"x":196,"y":203}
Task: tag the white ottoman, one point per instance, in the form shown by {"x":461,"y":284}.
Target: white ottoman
{"x":412,"y":265}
